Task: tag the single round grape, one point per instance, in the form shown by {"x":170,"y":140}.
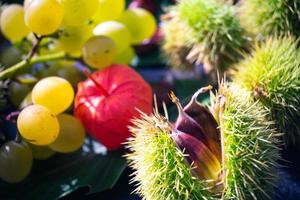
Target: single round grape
{"x":10,"y":56}
{"x":109,"y":10}
{"x":15,"y":161}
{"x":71,"y":134}
{"x":126,"y":56}
{"x":38,"y":125}
{"x":140,"y":22}
{"x":12,"y":23}
{"x":77,"y":12}
{"x":17,"y":92}
{"x":74,"y":37}
{"x":54,"y":93}
{"x":118,"y":32}
{"x":41,"y":152}
{"x":43,"y":16}
{"x":99,"y":52}
{"x":63,"y":69}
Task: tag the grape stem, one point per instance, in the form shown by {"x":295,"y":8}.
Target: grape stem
{"x":33,"y":60}
{"x":34,"y":47}
{"x":12,"y":115}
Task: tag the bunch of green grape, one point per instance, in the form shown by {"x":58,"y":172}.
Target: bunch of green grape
{"x":97,"y":33}
{"x":43,"y":127}
{"x":102,"y":32}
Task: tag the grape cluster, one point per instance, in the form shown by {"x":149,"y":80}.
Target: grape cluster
{"x":44,"y":128}
{"x":101,"y":31}
{"x":97,"y":32}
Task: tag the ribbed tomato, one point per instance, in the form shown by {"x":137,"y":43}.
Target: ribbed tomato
{"x":108,"y":100}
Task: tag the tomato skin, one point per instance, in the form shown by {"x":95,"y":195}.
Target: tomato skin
{"x":107,"y":117}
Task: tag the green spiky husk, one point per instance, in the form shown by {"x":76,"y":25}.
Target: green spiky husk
{"x":160,"y":168}
{"x":272,"y":74}
{"x":250,"y":146}
{"x":271,"y":17}
{"x":251,"y":153}
{"x":176,"y":46}
{"x":218,"y":34}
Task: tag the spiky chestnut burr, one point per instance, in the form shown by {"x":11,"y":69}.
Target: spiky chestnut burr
{"x":218,"y":38}
{"x":250,"y":145}
{"x":272,"y":74}
{"x":275,"y":17}
{"x":163,"y":170}
{"x":176,"y":47}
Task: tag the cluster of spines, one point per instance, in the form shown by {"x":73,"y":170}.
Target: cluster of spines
{"x":250,"y":148}
{"x":176,"y":46}
{"x":273,"y":17}
{"x":218,"y":35}
{"x":161,"y":171}
{"x":272,"y":74}
{"x":250,"y":145}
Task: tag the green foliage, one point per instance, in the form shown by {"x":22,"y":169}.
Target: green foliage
{"x":271,"y":17}
{"x":63,"y":174}
{"x":251,"y":148}
{"x":272,"y":74}
{"x":219,"y":36}
{"x":161,"y":169}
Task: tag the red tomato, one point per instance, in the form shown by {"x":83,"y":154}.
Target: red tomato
{"x":107,"y":104}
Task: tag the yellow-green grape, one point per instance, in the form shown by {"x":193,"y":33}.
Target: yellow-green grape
{"x":15,"y":161}
{"x":38,"y":125}
{"x":117,"y":31}
{"x":12,"y":23}
{"x":140,"y":22}
{"x":99,"y":52}
{"x":54,"y":93}
{"x":41,"y":152}
{"x":74,"y":37}
{"x":17,"y":92}
{"x":10,"y":56}
{"x":43,"y":16}
{"x":126,"y":56}
{"x":77,"y":12}
{"x":109,"y":10}
{"x":64,"y":69}
{"x":71,"y":134}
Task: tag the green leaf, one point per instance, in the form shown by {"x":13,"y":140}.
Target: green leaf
{"x":63,"y":174}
